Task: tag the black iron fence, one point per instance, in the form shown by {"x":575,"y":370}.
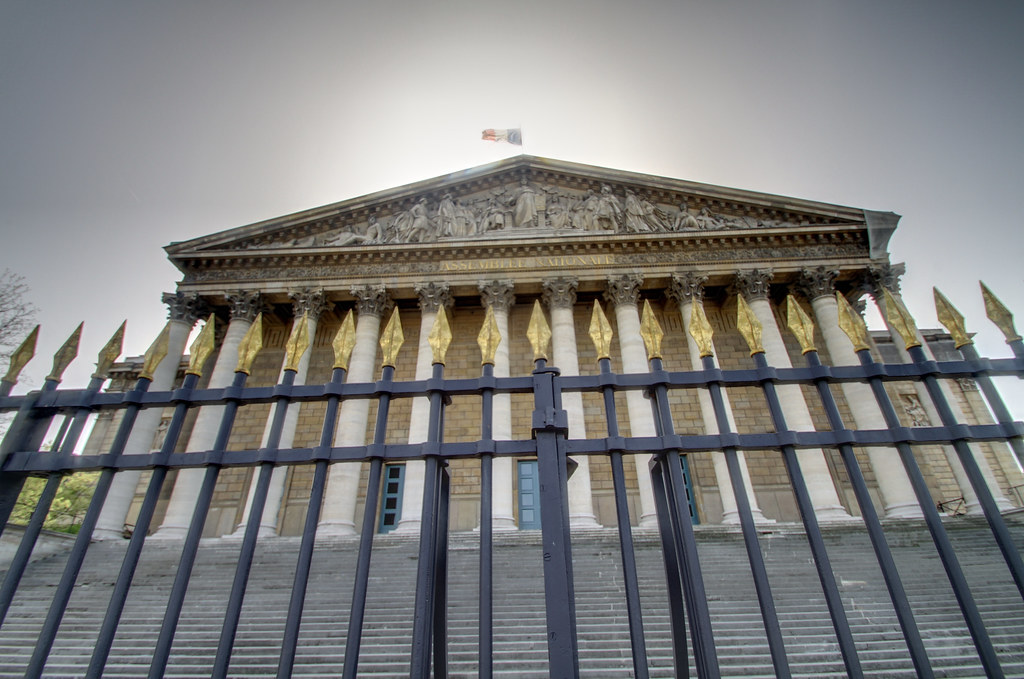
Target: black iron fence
{"x":692,"y":628}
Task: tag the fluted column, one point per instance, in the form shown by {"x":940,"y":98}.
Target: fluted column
{"x":898,"y":499}
{"x":338,"y":516}
{"x":310,"y":303}
{"x":560,"y":297}
{"x":433,"y":297}
{"x":498,"y":295}
{"x":753,"y":285}
{"x":244,"y":308}
{"x":885,"y":275}
{"x":623,"y":293}
{"x":685,"y":290}
{"x":183,"y":311}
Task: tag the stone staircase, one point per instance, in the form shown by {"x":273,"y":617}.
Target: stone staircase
{"x":520,"y":648}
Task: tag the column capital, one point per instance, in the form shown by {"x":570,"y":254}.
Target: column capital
{"x":184,"y":307}
{"x":244,"y":304}
{"x":309,"y":301}
{"x":372,"y":300}
{"x":560,"y":293}
{"x":624,"y":290}
{"x":687,"y":286}
{"x":497,"y":294}
{"x":884,"y":275}
{"x":434,"y":296}
{"x":817,"y":282}
{"x":753,"y":283}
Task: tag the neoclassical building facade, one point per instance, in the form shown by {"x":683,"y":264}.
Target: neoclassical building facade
{"x":501,"y":237}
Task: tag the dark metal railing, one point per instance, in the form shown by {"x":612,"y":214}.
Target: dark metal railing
{"x":690,"y":615}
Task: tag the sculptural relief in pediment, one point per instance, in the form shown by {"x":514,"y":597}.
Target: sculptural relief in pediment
{"x":514,"y":210}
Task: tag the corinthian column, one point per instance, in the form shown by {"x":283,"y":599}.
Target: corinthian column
{"x":623,"y":293}
{"x":310,"y":303}
{"x":339,"y":510}
{"x":898,"y":499}
{"x":560,"y":297}
{"x":433,"y":297}
{"x":685,"y":290}
{"x":183,"y":311}
{"x":244,"y":308}
{"x":498,"y":295}
{"x":753,"y":285}
{"x":885,"y":275}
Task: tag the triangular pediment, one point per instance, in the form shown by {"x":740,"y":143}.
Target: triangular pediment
{"x":522,"y":198}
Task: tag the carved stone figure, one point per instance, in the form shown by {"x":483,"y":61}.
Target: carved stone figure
{"x":557,"y":216}
{"x":706,"y":219}
{"x":413,"y":225}
{"x":584,"y":213}
{"x":608,"y":216}
{"x":635,"y":222}
{"x":525,"y":201}
{"x":494,"y":217}
{"x":464,"y":225}
{"x":655,"y":218}
{"x":684,"y":220}
{"x":374,"y":231}
{"x":446,"y":216}
{"x":343,"y":237}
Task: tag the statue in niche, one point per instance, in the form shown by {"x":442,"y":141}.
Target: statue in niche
{"x":524,"y":200}
{"x":608,"y":216}
{"x":159,"y":435}
{"x":684,"y":221}
{"x":446,"y":216}
{"x":915,"y":411}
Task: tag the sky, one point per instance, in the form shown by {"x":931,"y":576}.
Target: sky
{"x":125,"y":126}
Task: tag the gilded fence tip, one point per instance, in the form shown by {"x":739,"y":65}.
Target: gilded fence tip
{"x":157,"y":352}
{"x":251,"y":345}
{"x":700,"y":329}
{"x":440,"y":336}
{"x":800,"y":324}
{"x":21,"y":356}
{"x":999,"y":314}
{"x":852,"y":324}
{"x":297,"y":344}
{"x":392,"y":339}
{"x":651,"y":332}
{"x":539,"y":333}
{"x":67,"y":353}
{"x":202,"y":348}
{"x":601,"y":332}
{"x":344,"y":341}
{"x":900,"y":319}
{"x":109,"y":353}
{"x":488,"y":338}
{"x":952,"y":319}
{"x":749,"y":326}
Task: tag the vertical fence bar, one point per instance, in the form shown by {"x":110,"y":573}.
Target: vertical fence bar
{"x":359,"y":587}
{"x":25,"y":433}
{"x":672,"y":554}
{"x":486,"y":621}
{"x":830,"y":589}
{"x":190,"y":547}
{"x":629,"y":576}
{"x":440,"y":622}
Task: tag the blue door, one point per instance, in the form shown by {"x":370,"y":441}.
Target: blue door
{"x":529,"y":495}
{"x":391,"y":509}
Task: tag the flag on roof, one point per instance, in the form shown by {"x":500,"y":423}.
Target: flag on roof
{"x":508,"y":136}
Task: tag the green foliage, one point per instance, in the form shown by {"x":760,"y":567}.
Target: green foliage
{"x":69,"y":505}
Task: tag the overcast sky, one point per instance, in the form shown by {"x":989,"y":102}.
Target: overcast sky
{"x":125,"y":126}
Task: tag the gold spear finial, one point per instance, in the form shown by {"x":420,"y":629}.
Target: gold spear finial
{"x":852,"y":324}
{"x":651,"y":332}
{"x":392,"y":339}
{"x":999,"y":314}
{"x":109,"y":353}
{"x":700,"y":329}
{"x":440,"y":336}
{"x":67,"y":353}
{"x":600,"y":332}
{"x":251,"y":345}
{"x":21,"y":356}
{"x":201,"y":348}
{"x":344,"y":341}
{"x":801,"y":324}
{"x":538,"y":333}
{"x":900,"y":319}
{"x":156,"y":353}
{"x":297,"y":344}
{"x":488,"y":338}
{"x":749,"y":326}
{"x":951,"y":318}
